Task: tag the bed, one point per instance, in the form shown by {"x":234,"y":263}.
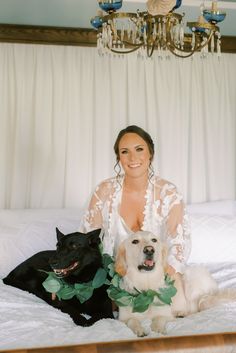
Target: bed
{"x":27,"y":322}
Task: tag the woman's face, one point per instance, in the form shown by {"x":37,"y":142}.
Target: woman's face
{"x":134,"y":155}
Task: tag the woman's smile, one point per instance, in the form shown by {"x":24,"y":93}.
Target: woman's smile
{"x":134,"y":155}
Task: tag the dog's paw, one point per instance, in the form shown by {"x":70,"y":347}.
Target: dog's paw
{"x":136,"y":327}
{"x":82,"y":321}
{"x":159,"y":324}
{"x":179,"y":306}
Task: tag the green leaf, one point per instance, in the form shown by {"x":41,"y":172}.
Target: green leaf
{"x":142,"y":302}
{"x":52,"y":284}
{"x":99,"y":278}
{"x":166,"y":294}
{"x":116,"y":293}
{"x":84,"y":294}
{"x":169,"y":280}
{"x":150,"y":293}
{"x":67,"y":292}
{"x":126,"y":300}
{"x":116,"y":280}
{"x":111,"y":269}
{"x":107,"y":260}
{"x":120,"y":297}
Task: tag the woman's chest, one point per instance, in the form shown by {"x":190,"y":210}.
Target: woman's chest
{"x":132,"y":207}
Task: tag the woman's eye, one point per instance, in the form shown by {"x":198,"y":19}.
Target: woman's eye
{"x":124,"y":152}
{"x":139,"y":149}
{"x":135,"y":241}
{"x":154,"y":240}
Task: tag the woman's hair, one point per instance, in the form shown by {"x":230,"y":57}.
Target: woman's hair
{"x":136,"y":130}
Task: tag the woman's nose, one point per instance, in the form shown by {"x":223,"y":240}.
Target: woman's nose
{"x":132,"y":156}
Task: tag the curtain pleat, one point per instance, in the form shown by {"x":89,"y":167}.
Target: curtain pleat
{"x":61,"y":109}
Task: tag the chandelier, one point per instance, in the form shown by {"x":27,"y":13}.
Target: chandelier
{"x":159,"y":28}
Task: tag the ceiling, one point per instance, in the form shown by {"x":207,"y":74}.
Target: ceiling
{"x":77,"y":13}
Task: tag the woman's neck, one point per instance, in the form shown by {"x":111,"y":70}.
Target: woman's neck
{"x":135,"y":184}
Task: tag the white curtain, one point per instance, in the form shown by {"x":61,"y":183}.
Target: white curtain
{"x":62,"y":107}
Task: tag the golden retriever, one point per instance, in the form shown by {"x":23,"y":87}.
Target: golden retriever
{"x":140,"y":261}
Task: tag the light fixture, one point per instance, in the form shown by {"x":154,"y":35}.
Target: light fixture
{"x":159,"y":28}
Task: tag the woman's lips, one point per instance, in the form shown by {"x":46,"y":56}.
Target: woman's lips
{"x":136,"y":165}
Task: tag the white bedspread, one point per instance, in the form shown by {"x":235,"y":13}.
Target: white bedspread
{"x":26,"y":321}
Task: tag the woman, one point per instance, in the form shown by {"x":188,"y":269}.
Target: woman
{"x":138,"y":200}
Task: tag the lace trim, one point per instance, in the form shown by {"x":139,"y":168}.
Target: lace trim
{"x":147,"y":214}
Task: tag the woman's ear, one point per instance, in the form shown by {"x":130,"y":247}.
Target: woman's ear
{"x":120,"y":262}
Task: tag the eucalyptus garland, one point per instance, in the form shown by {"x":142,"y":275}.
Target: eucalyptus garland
{"x":82,"y":291}
{"x":140,"y":300}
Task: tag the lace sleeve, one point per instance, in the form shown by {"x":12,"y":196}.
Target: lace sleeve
{"x":94,"y":215}
{"x":177,"y":229}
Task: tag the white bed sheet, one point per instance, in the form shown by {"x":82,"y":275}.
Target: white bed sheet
{"x":26,"y":321}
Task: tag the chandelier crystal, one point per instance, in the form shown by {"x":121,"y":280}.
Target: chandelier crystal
{"x":159,"y":28}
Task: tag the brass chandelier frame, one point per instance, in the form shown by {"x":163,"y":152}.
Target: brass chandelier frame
{"x":164,"y":33}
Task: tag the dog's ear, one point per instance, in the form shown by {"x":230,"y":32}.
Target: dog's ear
{"x":94,"y":237}
{"x":120,"y":262}
{"x":59,"y":234}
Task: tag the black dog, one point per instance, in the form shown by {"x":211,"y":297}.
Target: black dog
{"x":76,"y":260}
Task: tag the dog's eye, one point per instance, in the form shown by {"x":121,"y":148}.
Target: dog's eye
{"x":154,"y":240}
{"x":135,"y":241}
{"x":73,"y":246}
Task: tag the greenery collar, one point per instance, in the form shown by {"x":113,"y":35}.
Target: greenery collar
{"x":82,"y":291}
{"x":140,"y":300}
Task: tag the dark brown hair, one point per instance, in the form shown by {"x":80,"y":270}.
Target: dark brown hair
{"x":136,"y":130}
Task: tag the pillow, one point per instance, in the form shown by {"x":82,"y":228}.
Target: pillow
{"x":213,"y":238}
{"x":223,"y":208}
{"x":26,"y":232}
{"x":21,"y":217}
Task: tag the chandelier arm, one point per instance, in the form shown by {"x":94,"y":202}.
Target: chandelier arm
{"x":150,"y":49}
{"x":137,"y":46}
{"x":130,"y":15}
{"x":171,"y":46}
{"x":179,"y":55}
{"x":207,"y":42}
{"x":125,"y":52}
{"x":172,"y":49}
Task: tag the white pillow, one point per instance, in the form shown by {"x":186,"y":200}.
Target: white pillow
{"x":223,"y":208}
{"x":26,"y":232}
{"x":213,"y":238}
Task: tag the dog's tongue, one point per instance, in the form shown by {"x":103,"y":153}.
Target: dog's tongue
{"x":149,"y":262}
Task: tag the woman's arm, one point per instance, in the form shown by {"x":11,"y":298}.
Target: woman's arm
{"x":99,"y":209}
{"x":177,"y":231}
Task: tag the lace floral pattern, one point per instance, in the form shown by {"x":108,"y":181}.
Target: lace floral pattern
{"x":164,"y":213}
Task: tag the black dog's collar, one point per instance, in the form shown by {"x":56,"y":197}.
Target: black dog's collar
{"x":82,"y":291}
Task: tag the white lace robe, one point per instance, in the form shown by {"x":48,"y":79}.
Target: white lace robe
{"x":164,"y":214}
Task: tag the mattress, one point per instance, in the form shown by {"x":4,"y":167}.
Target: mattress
{"x":26,"y":321}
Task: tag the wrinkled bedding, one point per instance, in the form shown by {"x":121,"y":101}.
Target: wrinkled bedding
{"x":26,"y":321}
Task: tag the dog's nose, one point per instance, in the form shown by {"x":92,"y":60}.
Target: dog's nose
{"x":148,"y":250}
